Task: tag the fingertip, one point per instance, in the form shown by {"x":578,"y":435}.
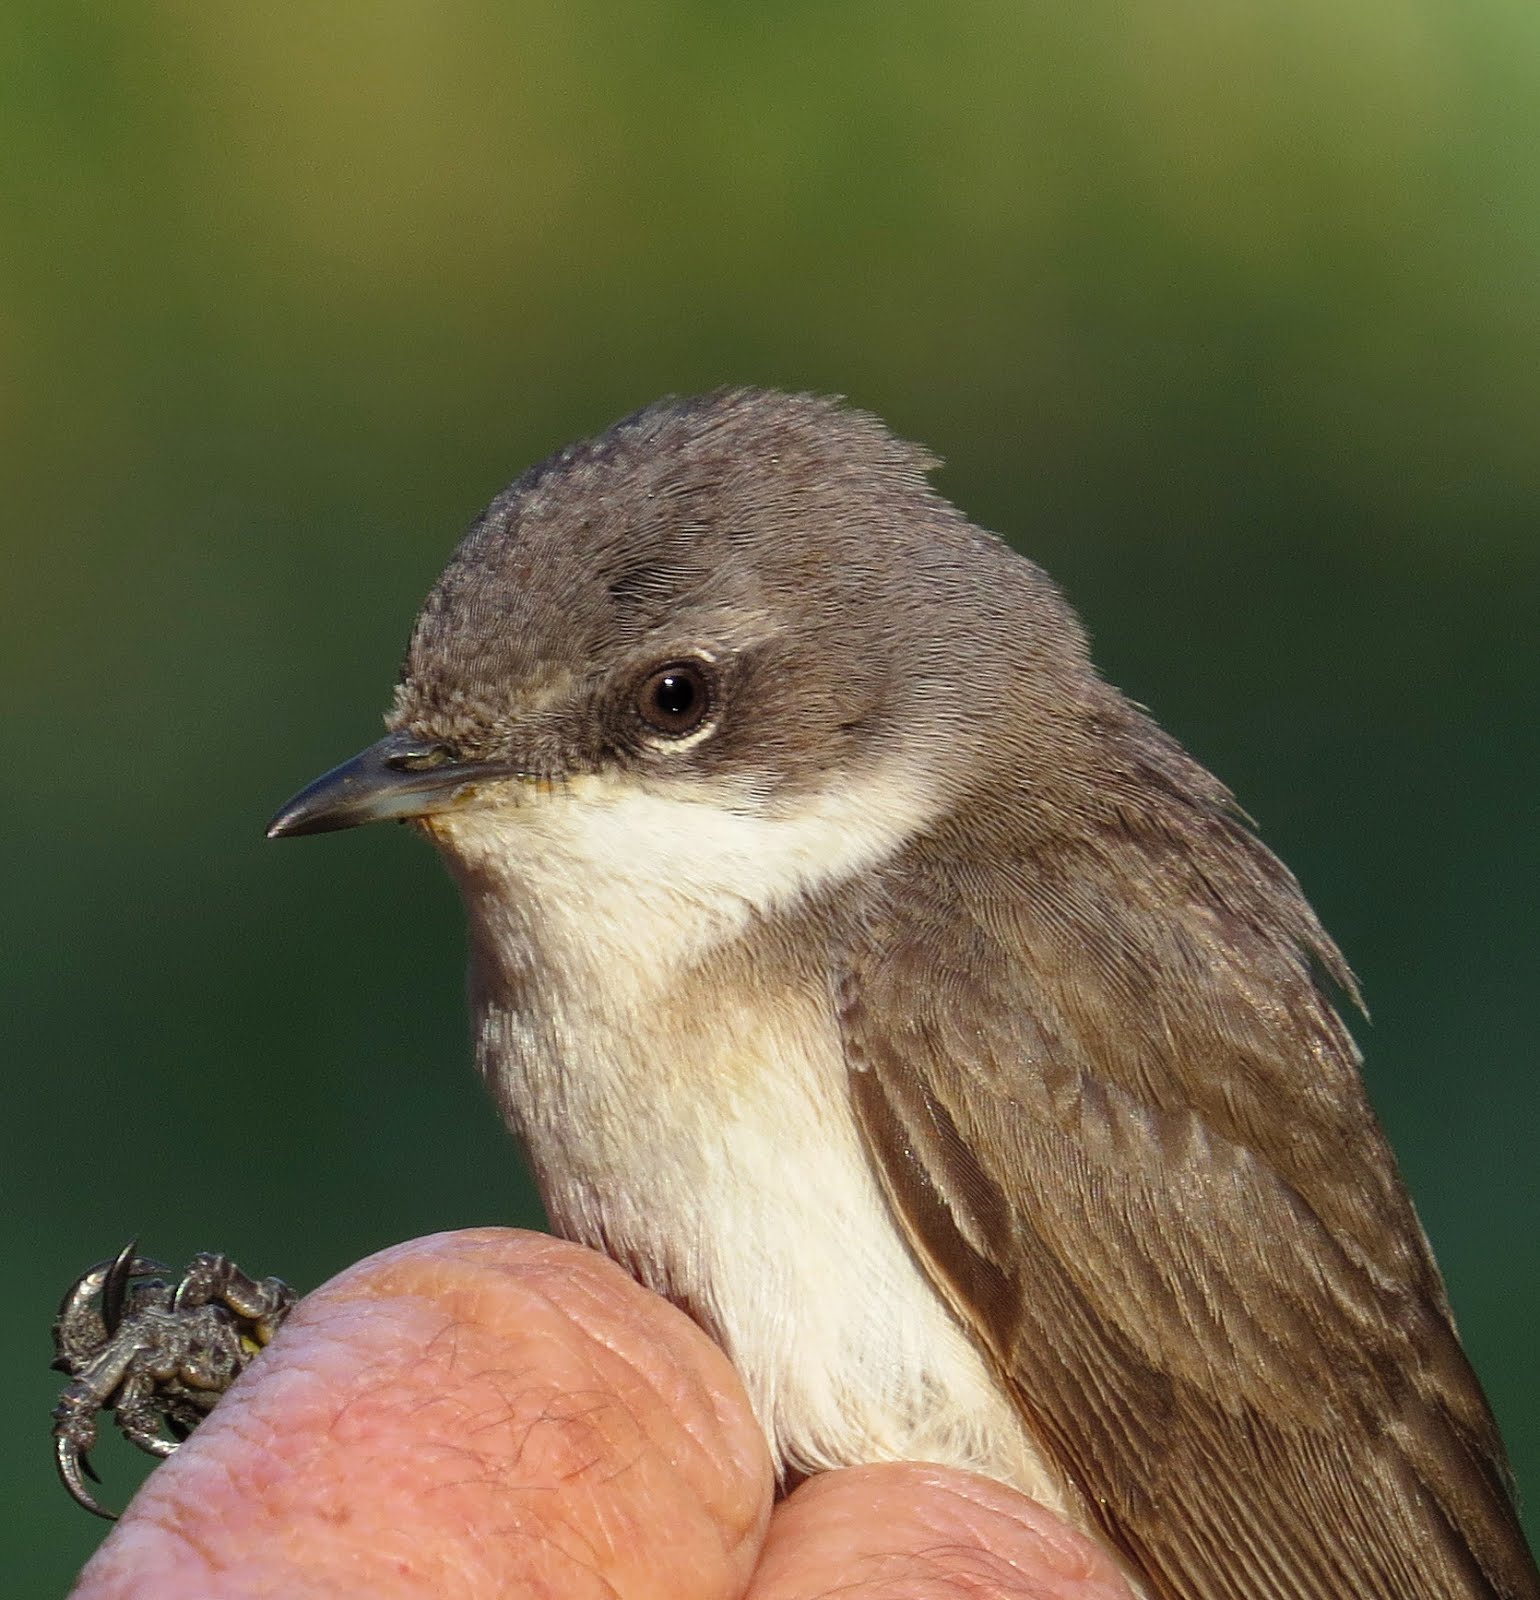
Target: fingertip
{"x":900,"y":1529}
{"x":539,"y":1293}
{"x":465,"y":1414}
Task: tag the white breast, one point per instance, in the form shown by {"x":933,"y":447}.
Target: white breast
{"x":699,"y":1129}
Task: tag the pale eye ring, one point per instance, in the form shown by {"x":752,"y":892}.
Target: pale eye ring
{"x":676,"y":699}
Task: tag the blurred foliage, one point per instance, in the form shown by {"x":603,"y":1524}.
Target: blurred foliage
{"x":1226,"y":312}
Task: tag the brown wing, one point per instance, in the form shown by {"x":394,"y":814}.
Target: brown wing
{"x":1126,"y":1134}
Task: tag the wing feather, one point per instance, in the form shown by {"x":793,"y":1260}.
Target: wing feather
{"x":1127,"y":1136}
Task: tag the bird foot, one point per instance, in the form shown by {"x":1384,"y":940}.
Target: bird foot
{"x":154,"y":1351}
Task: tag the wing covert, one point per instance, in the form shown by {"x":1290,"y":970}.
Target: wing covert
{"x":1219,"y":1315}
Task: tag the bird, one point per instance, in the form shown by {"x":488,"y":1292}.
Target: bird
{"x":874,"y":980}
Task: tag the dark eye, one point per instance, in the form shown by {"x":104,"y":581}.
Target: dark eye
{"x":675,"y":699}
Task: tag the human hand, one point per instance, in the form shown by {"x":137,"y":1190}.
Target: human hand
{"x":492,"y":1412}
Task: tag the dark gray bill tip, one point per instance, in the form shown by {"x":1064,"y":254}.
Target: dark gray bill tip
{"x":399,"y":777}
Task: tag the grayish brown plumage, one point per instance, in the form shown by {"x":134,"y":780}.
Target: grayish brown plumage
{"x":1015,"y":953}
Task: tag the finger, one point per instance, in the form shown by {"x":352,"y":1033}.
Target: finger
{"x":893,"y":1532}
{"x":476,"y":1414}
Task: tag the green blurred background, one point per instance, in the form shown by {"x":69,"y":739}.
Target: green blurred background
{"x":1227,"y":312}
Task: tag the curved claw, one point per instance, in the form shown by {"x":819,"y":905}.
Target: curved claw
{"x":115,"y":1287}
{"x":83,"y":1290}
{"x":74,"y":1467}
{"x":93,"y":1281}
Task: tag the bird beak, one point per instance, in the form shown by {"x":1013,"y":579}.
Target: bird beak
{"x":400,"y":777}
